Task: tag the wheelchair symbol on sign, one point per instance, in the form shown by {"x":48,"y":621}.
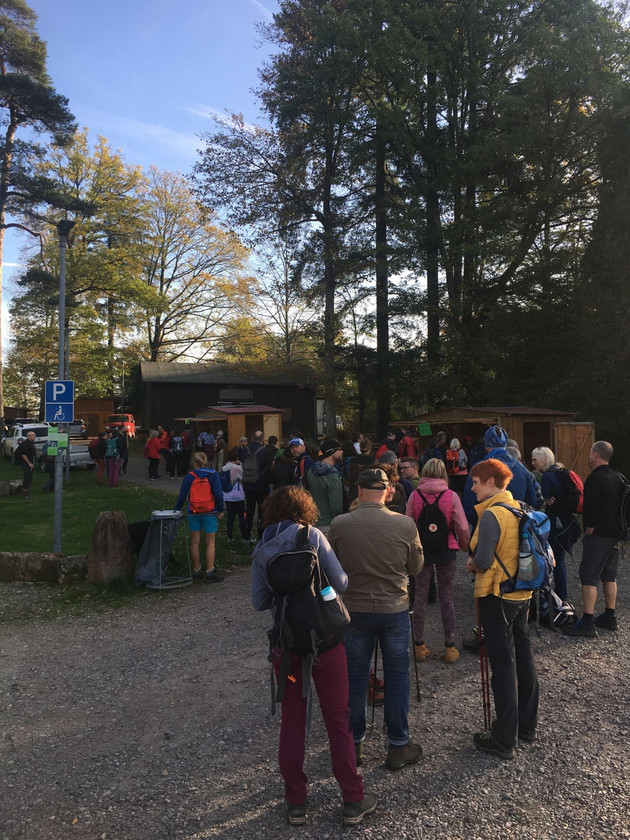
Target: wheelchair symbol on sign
{"x":59,"y":415}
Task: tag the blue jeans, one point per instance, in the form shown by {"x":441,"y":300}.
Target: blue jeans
{"x":393,"y":633}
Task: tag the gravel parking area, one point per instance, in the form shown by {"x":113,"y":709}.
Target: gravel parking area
{"x":152,"y":722}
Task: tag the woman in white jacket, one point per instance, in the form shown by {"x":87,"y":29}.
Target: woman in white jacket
{"x":235,"y":498}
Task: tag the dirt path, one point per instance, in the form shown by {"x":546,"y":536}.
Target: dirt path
{"x":152,"y":722}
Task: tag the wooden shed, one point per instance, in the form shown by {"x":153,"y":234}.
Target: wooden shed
{"x":530,"y":427}
{"x":238,"y":421}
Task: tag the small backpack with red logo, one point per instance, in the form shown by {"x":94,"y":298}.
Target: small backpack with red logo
{"x":432,"y":525}
{"x":200,"y":496}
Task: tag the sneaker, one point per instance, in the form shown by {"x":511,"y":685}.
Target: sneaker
{"x":606,"y":622}
{"x":580,"y":628}
{"x":358,"y":752}
{"x":353,"y":812}
{"x":213,"y":577}
{"x":398,"y":757}
{"x":198,"y":574}
{"x":451,"y":654}
{"x":487,"y":743}
{"x":296,"y":814}
{"x":421,"y":652}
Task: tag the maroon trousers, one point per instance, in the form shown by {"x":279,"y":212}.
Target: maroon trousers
{"x":330,"y":676}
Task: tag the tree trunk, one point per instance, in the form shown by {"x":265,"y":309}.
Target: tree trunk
{"x":383,"y":377}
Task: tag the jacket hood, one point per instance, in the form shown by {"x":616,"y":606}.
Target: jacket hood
{"x":432,"y":485}
{"x":320,"y":468}
{"x":276,"y":538}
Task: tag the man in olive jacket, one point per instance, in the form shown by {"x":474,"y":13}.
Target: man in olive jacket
{"x":378,"y":549}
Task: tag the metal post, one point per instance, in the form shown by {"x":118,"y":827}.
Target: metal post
{"x":63,"y":229}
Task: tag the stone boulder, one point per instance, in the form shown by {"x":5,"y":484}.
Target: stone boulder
{"x":111,"y":549}
{"x":33,"y":566}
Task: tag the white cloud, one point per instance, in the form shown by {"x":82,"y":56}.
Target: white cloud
{"x":265,"y":11}
{"x":186,"y":144}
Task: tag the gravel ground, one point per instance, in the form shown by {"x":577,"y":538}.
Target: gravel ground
{"x":152,"y":722}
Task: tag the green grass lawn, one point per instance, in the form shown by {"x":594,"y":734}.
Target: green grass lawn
{"x":28,"y":526}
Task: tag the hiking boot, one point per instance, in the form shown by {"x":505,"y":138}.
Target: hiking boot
{"x":375,"y":697}
{"x":198,"y":574}
{"x":358,"y":753}
{"x":376,"y":680}
{"x":487,"y":743}
{"x":353,"y":812}
{"x":213,"y":577}
{"x":398,"y":757}
{"x":296,"y":814}
{"x":421,"y":652}
{"x":451,"y":654}
{"x":580,"y":628}
{"x":606,"y":622}
{"x":527,"y":737}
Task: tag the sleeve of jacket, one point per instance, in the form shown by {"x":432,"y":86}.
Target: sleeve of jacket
{"x":337,"y":578}
{"x":415,"y":554}
{"x":184,"y":490}
{"x":533,"y":497}
{"x":261,"y":593}
{"x":460,"y":523}
{"x":217,"y":491}
{"x":469,"y":501}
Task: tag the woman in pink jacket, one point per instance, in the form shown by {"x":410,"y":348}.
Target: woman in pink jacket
{"x":443,"y":529}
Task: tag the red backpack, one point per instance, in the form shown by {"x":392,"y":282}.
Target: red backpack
{"x":201,"y":497}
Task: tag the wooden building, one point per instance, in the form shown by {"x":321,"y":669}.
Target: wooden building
{"x":237,"y":402}
{"x":530,"y":427}
{"x":94,"y":413}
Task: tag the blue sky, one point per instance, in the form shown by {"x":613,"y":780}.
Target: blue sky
{"x":148,"y":74}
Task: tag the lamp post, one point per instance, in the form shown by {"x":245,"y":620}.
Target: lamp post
{"x":63,"y":229}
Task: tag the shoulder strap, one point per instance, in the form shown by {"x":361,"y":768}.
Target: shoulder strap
{"x":302,"y":536}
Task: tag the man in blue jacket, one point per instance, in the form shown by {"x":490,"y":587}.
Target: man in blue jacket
{"x":522,"y":486}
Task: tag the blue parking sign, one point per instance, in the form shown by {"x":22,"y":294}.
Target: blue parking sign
{"x":59,"y":394}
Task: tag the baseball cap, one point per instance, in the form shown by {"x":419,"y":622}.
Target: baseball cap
{"x":296,"y":442}
{"x":374,"y":479}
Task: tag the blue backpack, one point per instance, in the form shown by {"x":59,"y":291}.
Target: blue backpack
{"x":535,"y":557}
{"x":226,"y":484}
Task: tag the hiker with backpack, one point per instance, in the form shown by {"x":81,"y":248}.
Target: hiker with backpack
{"x":234,"y":497}
{"x":324,"y":483}
{"x":96,"y":449}
{"x":152,"y":452}
{"x":256,"y":463}
{"x":175,"y":459}
{"x":562,"y":499}
{"x":296,"y":556}
{"x":601,"y":515}
{"x":443,"y":529}
{"x":456,"y":466}
{"x":202,"y":488}
{"x":503,"y":614}
{"x":113,"y":460}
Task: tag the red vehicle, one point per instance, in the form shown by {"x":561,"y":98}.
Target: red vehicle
{"x":117,"y":422}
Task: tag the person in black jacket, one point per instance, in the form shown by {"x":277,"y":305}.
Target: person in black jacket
{"x":256,"y":491}
{"x":600,"y":555}
{"x":26,"y":456}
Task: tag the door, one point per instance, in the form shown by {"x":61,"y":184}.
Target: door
{"x":573,"y":442}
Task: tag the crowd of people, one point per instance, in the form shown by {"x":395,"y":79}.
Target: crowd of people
{"x":386,"y":521}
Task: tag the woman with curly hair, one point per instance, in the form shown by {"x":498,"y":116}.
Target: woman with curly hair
{"x":285,"y":511}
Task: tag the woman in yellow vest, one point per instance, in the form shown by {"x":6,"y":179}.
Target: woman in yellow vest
{"x":502,"y":617}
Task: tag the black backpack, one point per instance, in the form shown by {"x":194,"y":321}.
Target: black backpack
{"x":17,"y":456}
{"x":570,"y":501}
{"x":432,"y":525}
{"x":251,"y":469}
{"x":305,"y":624}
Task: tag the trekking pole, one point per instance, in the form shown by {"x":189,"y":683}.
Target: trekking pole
{"x":413,"y":656}
{"x":485,"y":676}
{"x":374,"y":680}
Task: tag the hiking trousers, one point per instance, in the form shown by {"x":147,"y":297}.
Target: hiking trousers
{"x":514,"y":676}
{"x":330,"y":676}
